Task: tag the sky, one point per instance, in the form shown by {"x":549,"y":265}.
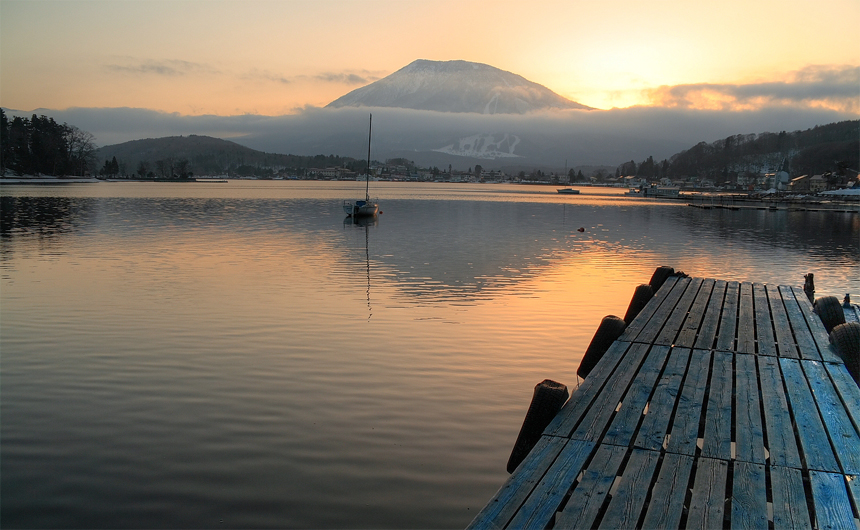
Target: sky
{"x":273,"y":58}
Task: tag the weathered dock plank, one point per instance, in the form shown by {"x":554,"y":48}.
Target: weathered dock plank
{"x":587,"y":498}
{"x":655,"y":324}
{"x":802,"y":334}
{"x":711,"y":320}
{"x":717,"y":441}
{"x":782,"y":444}
{"x":541,"y":505}
{"x":765,"y":342}
{"x":629,"y":499}
{"x":690,"y":328}
{"x":728,"y":322}
{"x":822,"y":338}
{"x":685,"y":429}
{"x":746,"y":321}
{"x":627,"y":418}
{"x":655,"y":425}
{"x":749,"y":435}
{"x":505,"y":503}
{"x":784,"y":339}
{"x":668,"y":493}
{"x":680,"y":313}
{"x":832,"y":506}
{"x":789,"y":499}
{"x":813,"y":437}
{"x":707,"y":505}
{"x":749,"y":505}
{"x":842,"y":433}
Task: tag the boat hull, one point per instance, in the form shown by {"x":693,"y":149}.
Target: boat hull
{"x":360,"y":208}
{"x":568,"y":191}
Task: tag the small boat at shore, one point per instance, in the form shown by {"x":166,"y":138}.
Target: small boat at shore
{"x":367,"y":207}
{"x":568,"y":191}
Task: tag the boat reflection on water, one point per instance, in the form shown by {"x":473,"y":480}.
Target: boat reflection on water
{"x":366,"y":222}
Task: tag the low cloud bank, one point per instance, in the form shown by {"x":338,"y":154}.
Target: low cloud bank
{"x":578,"y":137}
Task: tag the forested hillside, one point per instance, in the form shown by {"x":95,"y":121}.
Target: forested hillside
{"x":204,"y":155}
{"x":832,"y":148}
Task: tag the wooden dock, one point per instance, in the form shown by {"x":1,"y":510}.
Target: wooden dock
{"x":723,"y":405}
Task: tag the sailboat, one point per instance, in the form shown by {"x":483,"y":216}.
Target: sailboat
{"x":367,"y":207}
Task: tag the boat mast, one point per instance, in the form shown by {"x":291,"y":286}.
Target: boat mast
{"x":367,"y":173}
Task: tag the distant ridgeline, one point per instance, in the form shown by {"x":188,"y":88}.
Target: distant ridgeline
{"x":204,"y":155}
{"x":825,"y":148}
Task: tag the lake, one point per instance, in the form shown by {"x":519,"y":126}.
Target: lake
{"x":222,"y":355}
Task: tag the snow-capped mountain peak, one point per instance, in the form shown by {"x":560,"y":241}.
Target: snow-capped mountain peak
{"x":456,"y":86}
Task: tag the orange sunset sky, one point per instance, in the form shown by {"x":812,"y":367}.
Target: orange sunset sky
{"x":275,"y":57}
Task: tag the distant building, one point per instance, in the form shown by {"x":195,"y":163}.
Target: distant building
{"x":817,"y":183}
{"x":799,"y":184}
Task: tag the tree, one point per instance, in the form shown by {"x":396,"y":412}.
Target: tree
{"x":5,"y":147}
{"x":81,"y":149}
{"x":143,"y":168}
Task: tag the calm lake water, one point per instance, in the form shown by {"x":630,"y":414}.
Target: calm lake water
{"x":219,"y":355}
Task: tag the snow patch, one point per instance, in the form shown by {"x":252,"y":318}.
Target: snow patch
{"x":483,"y":146}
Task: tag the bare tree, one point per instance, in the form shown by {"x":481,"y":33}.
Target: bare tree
{"x":82,"y":148}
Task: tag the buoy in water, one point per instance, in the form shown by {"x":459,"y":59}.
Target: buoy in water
{"x":580,"y":229}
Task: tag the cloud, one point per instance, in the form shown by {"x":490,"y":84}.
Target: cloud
{"x":167,"y":67}
{"x":265,"y":75}
{"x":360,"y":77}
{"x":347,"y":79}
{"x":826,"y":87}
{"x":544,"y":139}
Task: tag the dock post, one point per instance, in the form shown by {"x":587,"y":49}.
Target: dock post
{"x":809,"y":286}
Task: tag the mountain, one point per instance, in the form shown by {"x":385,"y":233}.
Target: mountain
{"x":209,"y":156}
{"x":456,"y":86}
